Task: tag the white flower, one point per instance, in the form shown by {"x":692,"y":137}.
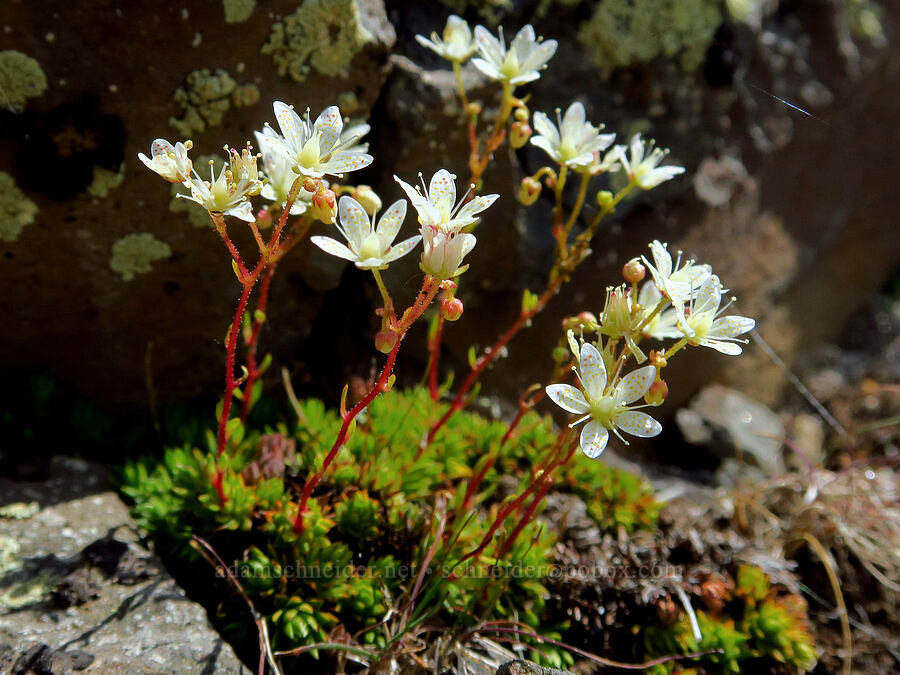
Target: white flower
{"x":172,"y":163}
{"x":606,"y":407}
{"x":517,"y":65}
{"x":679,"y":284}
{"x":315,"y":149}
{"x":437,"y":205}
{"x":457,"y":44}
{"x":280,"y":176}
{"x":706,"y":329}
{"x":642,"y":166}
{"x":665,"y":323}
{"x":369,"y":247}
{"x":574,"y":142}
{"x":350,"y":137}
{"x":226,"y":194}
{"x":443,"y":252}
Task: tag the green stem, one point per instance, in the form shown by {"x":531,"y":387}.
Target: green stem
{"x":674,"y":349}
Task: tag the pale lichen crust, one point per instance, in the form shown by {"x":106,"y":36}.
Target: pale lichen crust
{"x":323,"y":35}
{"x":16,"y":210}
{"x":135,"y":254}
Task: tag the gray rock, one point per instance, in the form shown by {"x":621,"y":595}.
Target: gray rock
{"x":727,"y":422}
{"x":79,"y":593}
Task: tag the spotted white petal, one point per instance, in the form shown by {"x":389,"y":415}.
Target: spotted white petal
{"x":594,"y":437}
{"x":573,"y":120}
{"x":333,"y":247}
{"x":708,"y":296}
{"x":568,"y":398}
{"x":592,"y":371}
{"x":354,"y":220}
{"x":637,"y":423}
{"x":728,"y":348}
{"x":730,"y":326}
{"x":401,"y":249}
{"x":342,"y":162}
{"x":634,"y":385}
{"x":442,"y":190}
{"x":329,"y":125}
{"x":389,"y":224}
{"x":475,"y":206}
{"x":292,"y":127}
{"x":488,"y":45}
{"x":661,"y":257}
{"x":546,"y":145}
{"x":538,"y":57}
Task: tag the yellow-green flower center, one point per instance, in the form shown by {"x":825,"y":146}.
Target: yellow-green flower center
{"x":603,"y":409}
{"x":510,"y":67}
{"x":310,"y":154}
{"x":371,"y":247}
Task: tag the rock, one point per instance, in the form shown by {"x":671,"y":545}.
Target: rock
{"x":522,"y":667}
{"x":81,"y":593}
{"x":727,"y":423}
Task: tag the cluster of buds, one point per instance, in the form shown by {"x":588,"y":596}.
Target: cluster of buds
{"x":681,"y":302}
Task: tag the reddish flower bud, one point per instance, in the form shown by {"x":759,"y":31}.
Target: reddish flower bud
{"x":521,"y":114}
{"x":385,"y":341}
{"x":451,"y":309}
{"x":634,"y":271}
{"x":324,"y":205}
{"x":657,"y":393}
{"x":519,"y":134}
{"x":529,"y":191}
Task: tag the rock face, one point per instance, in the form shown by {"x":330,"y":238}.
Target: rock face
{"x":792,"y":206}
{"x":79,"y":593}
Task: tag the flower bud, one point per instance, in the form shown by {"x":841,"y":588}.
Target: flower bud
{"x":616,"y":317}
{"x":519,"y":134}
{"x":451,"y":309}
{"x":367,"y":198}
{"x":521,"y":114}
{"x":324,"y":205}
{"x":473,"y":109}
{"x":604,"y":199}
{"x":634,"y":271}
{"x":385,"y":341}
{"x":529,"y":191}
{"x":560,"y":354}
{"x":657,"y":393}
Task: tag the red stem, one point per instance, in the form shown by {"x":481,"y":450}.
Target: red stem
{"x":252,"y":370}
{"x":229,"y":362}
{"x":434,"y":346}
{"x":423,"y":300}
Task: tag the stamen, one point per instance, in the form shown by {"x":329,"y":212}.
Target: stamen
{"x":579,"y":421}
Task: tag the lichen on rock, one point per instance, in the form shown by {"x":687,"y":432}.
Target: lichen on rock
{"x":625,"y":32}
{"x":21,"y":77}
{"x":135,"y":254}
{"x":16,"y":210}
{"x":206,"y":97}
{"x":237,"y":11}
{"x":105,"y":181}
{"x":320,"y":34}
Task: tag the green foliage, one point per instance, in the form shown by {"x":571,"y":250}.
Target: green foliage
{"x":756,"y":624}
{"x":375,"y":518}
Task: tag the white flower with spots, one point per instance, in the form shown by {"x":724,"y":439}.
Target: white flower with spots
{"x":604,"y":403}
{"x":664,"y":325}
{"x":370,"y":247}
{"x":642,"y":166}
{"x":316,"y":149}
{"x":457,"y":44}
{"x":227,"y":193}
{"x":280,"y":176}
{"x":679,"y":283}
{"x":707,"y":328}
{"x":572,"y":141}
{"x":520,"y":63}
{"x":437,"y":206}
{"x":443,"y":252}
{"x":170,"y":162}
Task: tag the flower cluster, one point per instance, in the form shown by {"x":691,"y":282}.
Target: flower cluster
{"x":302,"y":149}
{"x":681,"y":301}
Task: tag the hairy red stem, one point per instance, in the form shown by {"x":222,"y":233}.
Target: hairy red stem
{"x":434,"y":346}
{"x":423,"y":300}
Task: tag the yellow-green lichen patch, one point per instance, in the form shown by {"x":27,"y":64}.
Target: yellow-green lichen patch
{"x":320,"y":34}
{"x":625,"y":32}
{"x":21,"y":77}
{"x":19,"y":510}
{"x":105,"y":180}
{"x":206,"y":96}
{"x":30,"y":591}
{"x":237,"y":11}
{"x":196,"y":214}
{"x":16,"y":210}
{"x":135,"y":254}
